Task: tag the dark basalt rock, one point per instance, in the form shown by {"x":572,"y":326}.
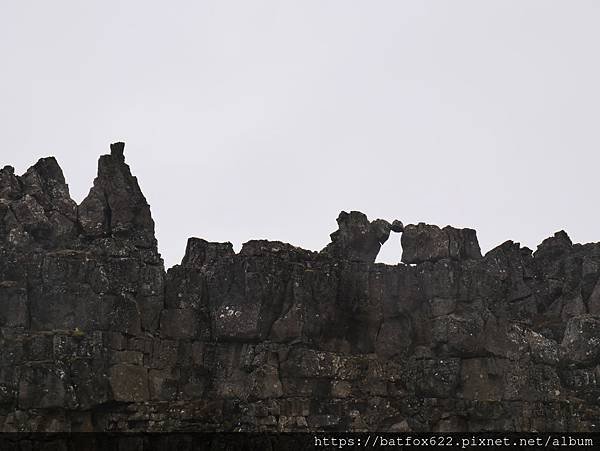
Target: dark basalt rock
{"x":200,"y":252}
{"x":357,"y":238}
{"x":37,"y":206}
{"x":424,"y":242}
{"x":95,"y":336}
{"x":115,"y":205}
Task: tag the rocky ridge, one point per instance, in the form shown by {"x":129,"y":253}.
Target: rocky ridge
{"x":96,"y":336}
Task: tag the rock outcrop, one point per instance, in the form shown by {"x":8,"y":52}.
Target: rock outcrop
{"x":357,"y":238}
{"x":423,"y":242}
{"x":96,"y":336}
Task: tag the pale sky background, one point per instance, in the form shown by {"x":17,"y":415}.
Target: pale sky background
{"x":263,"y":119}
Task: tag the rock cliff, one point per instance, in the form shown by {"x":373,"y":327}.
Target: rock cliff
{"x":96,"y":336}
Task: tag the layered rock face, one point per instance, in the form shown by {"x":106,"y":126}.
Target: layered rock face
{"x":96,"y":336}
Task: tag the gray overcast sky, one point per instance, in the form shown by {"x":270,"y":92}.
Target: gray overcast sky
{"x":264,"y":119}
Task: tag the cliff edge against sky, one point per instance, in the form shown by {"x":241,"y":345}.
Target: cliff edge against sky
{"x":96,"y":336}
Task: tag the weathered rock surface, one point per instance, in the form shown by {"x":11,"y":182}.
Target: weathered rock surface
{"x":95,"y":335}
{"x":357,"y":238}
{"x":424,"y":242}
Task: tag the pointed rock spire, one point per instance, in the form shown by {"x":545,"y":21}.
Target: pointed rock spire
{"x":46,"y":183}
{"x":37,"y":205}
{"x":116,"y":206}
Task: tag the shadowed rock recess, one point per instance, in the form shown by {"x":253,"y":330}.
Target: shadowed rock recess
{"x":96,"y":336}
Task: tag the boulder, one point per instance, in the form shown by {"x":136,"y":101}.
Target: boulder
{"x":424,"y":242}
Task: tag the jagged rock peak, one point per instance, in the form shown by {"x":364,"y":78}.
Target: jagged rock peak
{"x":46,"y":183}
{"x":37,"y":205}
{"x":48,"y":170}
{"x":116,"y":205}
{"x":554,"y":245}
